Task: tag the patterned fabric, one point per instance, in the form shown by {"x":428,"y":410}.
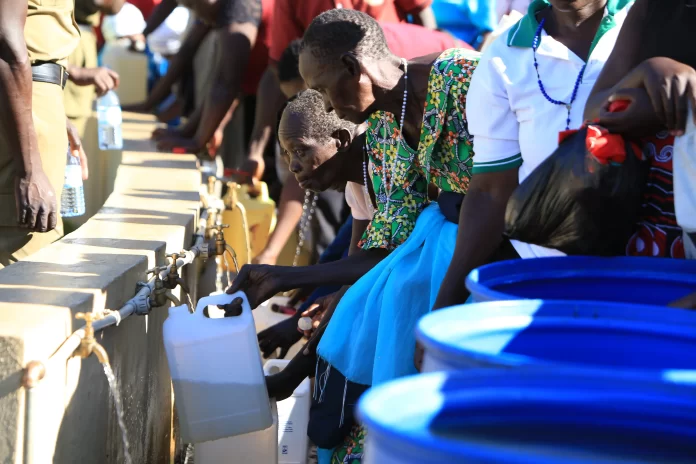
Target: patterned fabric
{"x":352,"y":449}
{"x":445,"y":146}
{"x":658,"y":234}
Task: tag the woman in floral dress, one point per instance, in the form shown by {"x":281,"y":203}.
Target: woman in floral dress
{"x":417,"y":135}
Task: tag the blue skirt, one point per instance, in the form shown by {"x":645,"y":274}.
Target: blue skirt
{"x":371,"y":336}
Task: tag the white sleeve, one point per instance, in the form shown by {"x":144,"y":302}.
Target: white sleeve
{"x":491,"y":120}
{"x":684,"y":168}
{"x":355,"y":197}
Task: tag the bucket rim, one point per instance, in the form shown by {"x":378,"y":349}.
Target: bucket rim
{"x":478,"y":281}
{"x":380,"y":400}
{"x":485,"y":325}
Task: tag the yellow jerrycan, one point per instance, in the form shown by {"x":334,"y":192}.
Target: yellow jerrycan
{"x":237,"y":234}
{"x":260,"y":215}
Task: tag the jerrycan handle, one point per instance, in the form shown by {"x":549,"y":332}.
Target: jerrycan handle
{"x":221,"y":299}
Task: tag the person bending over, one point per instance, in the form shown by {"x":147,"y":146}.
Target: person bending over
{"x":242,"y":28}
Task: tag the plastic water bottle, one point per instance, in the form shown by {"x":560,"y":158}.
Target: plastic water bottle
{"x":72,"y":203}
{"x":109,"y":122}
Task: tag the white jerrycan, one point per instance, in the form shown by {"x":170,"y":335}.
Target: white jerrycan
{"x":285,"y":442}
{"x":292,"y":418}
{"x":219,"y":386}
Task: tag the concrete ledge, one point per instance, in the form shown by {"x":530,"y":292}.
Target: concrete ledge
{"x":153,"y":210}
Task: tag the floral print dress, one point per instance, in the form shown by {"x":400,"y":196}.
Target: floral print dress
{"x":445,"y":150}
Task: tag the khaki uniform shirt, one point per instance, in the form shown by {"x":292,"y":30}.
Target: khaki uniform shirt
{"x":50,"y":32}
{"x":51,"y":35}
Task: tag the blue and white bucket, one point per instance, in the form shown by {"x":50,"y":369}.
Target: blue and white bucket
{"x":528,"y":416}
{"x":636,"y":280}
{"x":648,"y":339}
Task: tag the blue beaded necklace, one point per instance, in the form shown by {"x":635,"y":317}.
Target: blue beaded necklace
{"x":569,"y":106}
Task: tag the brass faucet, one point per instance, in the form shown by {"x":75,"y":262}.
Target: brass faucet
{"x":89,"y":344}
{"x":220,"y":244}
{"x":173,"y":278}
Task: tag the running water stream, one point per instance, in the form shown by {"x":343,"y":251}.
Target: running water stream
{"x":116,"y":394}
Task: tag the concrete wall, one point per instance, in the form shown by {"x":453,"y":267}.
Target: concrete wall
{"x":153,"y":210}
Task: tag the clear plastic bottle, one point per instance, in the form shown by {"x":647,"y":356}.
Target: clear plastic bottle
{"x":72,"y":203}
{"x":109,"y":122}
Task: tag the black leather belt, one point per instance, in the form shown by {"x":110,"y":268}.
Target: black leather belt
{"x":50,"y":73}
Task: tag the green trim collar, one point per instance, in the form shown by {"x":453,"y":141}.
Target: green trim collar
{"x":522,"y":34}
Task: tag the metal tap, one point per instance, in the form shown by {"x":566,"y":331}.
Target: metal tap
{"x":220,"y":244}
{"x":173,"y":278}
{"x":158,"y":297}
{"x":212,"y":220}
{"x":89,"y":344}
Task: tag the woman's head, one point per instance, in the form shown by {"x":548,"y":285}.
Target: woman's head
{"x":340,"y":56}
{"x":291,"y":82}
{"x":309,"y":137}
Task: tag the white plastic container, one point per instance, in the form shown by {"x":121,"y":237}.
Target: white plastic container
{"x":285,"y":442}
{"x":293,"y":418}
{"x":219,"y":386}
{"x":265,"y":317}
{"x":251,"y":448}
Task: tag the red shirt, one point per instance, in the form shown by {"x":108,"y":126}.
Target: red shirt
{"x":145,"y":6}
{"x":411,"y":41}
{"x":258,"y":59}
{"x":292,"y":17}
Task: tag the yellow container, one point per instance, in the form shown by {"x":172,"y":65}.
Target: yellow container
{"x":237,"y":234}
{"x":260,"y":215}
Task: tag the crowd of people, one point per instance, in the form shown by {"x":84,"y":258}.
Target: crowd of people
{"x":407,"y":123}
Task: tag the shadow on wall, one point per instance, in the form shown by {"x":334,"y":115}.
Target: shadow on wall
{"x":141,"y":216}
{"x":163,"y":194}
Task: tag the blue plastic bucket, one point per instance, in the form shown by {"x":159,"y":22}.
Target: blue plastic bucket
{"x":650,"y":339}
{"x":528,"y":416}
{"x":623,"y":279}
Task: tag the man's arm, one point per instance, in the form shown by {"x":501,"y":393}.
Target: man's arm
{"x":36,"y":200}
{"x":481,"y":227}
{"x":159,"y":15}
{"x":623,"y":59}
{"x":269,"y":100}
{"x":177,"y":65}
{"x":236,"y":42}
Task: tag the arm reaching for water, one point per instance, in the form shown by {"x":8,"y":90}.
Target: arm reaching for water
{"x":481,"y":226}
{"x":260,"y":281}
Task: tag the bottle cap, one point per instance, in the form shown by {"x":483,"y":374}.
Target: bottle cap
{"x":305,"y":323}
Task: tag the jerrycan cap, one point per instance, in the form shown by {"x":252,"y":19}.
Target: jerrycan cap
{"x":223,"y":299}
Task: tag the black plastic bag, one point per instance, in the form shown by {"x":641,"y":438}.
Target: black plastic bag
{"x":584,"y":199}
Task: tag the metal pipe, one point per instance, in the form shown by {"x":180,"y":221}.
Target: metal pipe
{"x":70,"y":344}
{"x":33,"y":374}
